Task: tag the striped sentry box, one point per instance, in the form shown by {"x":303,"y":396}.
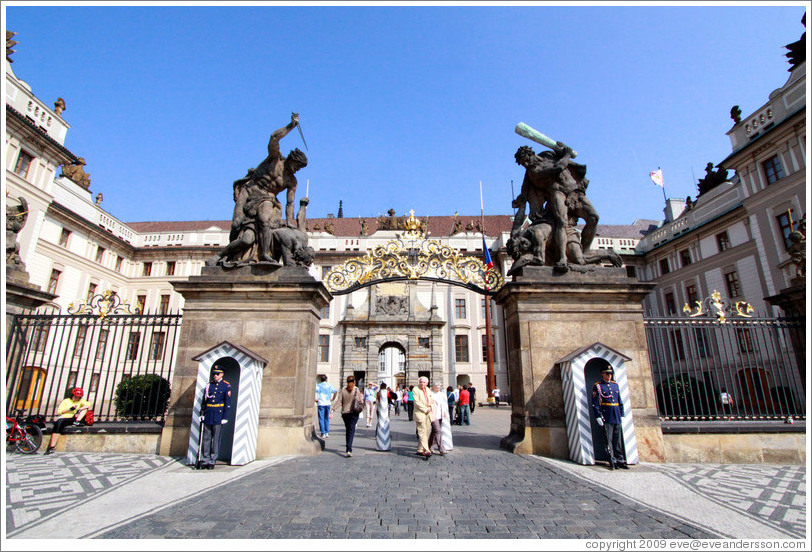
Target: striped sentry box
{"x":577,"y":402}
{"x":249,"y":387}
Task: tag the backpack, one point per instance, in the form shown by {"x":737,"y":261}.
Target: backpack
{"x":89,"y":417}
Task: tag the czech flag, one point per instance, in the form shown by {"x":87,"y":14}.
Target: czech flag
{"x":488,"y":260}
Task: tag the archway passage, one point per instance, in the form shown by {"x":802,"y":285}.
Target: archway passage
{"x":391,"y":362}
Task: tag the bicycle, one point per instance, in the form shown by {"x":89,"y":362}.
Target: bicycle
{"x":24,"y":436}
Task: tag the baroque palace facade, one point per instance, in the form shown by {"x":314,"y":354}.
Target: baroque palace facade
{"x":734,"y":239}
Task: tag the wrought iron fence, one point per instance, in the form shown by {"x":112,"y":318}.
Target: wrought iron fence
{"x":122,"y":361}
{"x":739,"y":368}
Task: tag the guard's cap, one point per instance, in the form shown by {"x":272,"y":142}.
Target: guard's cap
{"x":608,"y":369}
{"x":217,"y":371}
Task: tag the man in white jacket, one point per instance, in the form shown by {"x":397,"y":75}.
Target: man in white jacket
{"x":437,"y":415}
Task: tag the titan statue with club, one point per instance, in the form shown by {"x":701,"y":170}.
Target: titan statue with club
{"x":554,"y":187}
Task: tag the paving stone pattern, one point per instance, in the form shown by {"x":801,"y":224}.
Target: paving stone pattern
{"x":39,"y":486}
{"x":477,"y":491}
{"x":773,"y":493}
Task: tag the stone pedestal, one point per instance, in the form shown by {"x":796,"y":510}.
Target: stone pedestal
{"x":275,"y":313}
{"x":22,"y":296}
{"x":549,"y":316}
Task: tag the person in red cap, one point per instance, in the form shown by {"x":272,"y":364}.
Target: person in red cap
{"x":71,"y":411}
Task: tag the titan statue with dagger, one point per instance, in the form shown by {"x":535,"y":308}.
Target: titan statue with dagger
{"x":554,"y":188}
{"x":259,"y":232}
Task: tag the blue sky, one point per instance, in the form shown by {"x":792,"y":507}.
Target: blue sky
{"x":404,"y":107}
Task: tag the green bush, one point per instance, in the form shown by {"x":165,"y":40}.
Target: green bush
{"x":144,"y":396}
{"x":683,"y":395}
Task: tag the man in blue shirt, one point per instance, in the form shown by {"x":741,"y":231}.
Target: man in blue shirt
{"x":608,"y":408}
{"x":214,"y":414}
{"x":325,"y":393}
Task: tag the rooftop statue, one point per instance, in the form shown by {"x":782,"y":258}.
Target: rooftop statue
{"x":76,"y":172}
{"x":712,"y":178}
{"x":554,"y":188}
{"x":257,"y":222}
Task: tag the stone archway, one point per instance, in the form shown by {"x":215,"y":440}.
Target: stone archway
{"x":391,"y":361}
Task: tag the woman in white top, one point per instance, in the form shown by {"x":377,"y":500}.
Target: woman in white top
{"x":383,"y":437}
{"x":438,"y":415}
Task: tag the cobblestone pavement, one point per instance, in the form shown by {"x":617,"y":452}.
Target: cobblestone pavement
{"x":476,"y":492}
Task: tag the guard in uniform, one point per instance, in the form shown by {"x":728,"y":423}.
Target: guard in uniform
{"x":609,"y":413}
{"x":214,"y":414}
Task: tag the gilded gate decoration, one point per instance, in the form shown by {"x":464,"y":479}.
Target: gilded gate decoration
{"x":714,"y":306}
{"x":101,"y":305}
{"x":412,"y":256}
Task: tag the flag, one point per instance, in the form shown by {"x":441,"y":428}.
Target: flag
{"x":488,"y":260}
{"x":657,"y":178}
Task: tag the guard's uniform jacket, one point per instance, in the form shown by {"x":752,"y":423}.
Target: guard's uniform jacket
{"x":216,"y":402}
{"x":606,"y":401}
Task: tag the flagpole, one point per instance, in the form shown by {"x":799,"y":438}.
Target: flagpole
{"x":665,"y":199}
{"x":490,"y":377}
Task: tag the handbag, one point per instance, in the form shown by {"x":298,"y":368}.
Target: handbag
{"x":357,"y":403}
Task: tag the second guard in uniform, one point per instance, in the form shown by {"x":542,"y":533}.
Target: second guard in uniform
{"x":608,"y":408}
{"x":214,"y":414}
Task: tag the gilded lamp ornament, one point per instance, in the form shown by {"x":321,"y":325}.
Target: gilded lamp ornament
{"x":412,"y":256}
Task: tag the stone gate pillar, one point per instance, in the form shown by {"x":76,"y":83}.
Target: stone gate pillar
{"x":548,"y":316}
{"x":275,"y":313}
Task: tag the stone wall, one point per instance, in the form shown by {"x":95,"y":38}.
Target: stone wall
{"x":736,"y":448}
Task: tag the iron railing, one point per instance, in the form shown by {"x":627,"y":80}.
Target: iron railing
{"x":122,"y":362}
{"x":735,"y":369}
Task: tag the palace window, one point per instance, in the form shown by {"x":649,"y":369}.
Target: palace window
{"x":94,"y":383}
{"x":484,"y":347}
{"x":100,"y":254}
{"x":785,"y":227}
{"x":147,"y":269}
{"x":141,"y":303}
{"x":63,"y":237}
{"x":702,"y":342}
{"x":670,"y":303}
{"x":119,"y":260}
{"x":424,"y":342}
{"x":325,"y":311}
{"x":132,"y":345}
{"x":459,"y":309}
{"x":164,"y":308}
{"x":360,"y":342}
{"x":81,"y":333}
{"x":53,"y":282}
{"x":664,"y":268}
{"x":324,"y":348}
{"x":745,"y":340}
{"x":91,"y":291}
{"x":40,"y":337}
{"x":773,"y":170}
{"x":723,"y":241}
{"x":685,"y":257}
{"x":102,"y":344}
{"x":156,"y":350}
{"x":677,"y":344}
{"x":23,"y":164}
{"x":733,"y":287}
{"x":170,"y":268}
{"x":461,"y":348}
{"x":691,"y":295}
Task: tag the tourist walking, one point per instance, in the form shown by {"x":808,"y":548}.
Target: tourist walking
{"x":437,"y":412}
{"x":325,"y":394}
{"x":351,"y":402}
{"x":383,"y":437}
{"x":410,"y":402}
{"x":496,"y":395}
{"x":472,"y":401}
{"x":465,"y":399}
{"x":398,"y":399}
{"x":369,"y":402}
{"x":423,"y":403}
{"x":457,"y":416}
